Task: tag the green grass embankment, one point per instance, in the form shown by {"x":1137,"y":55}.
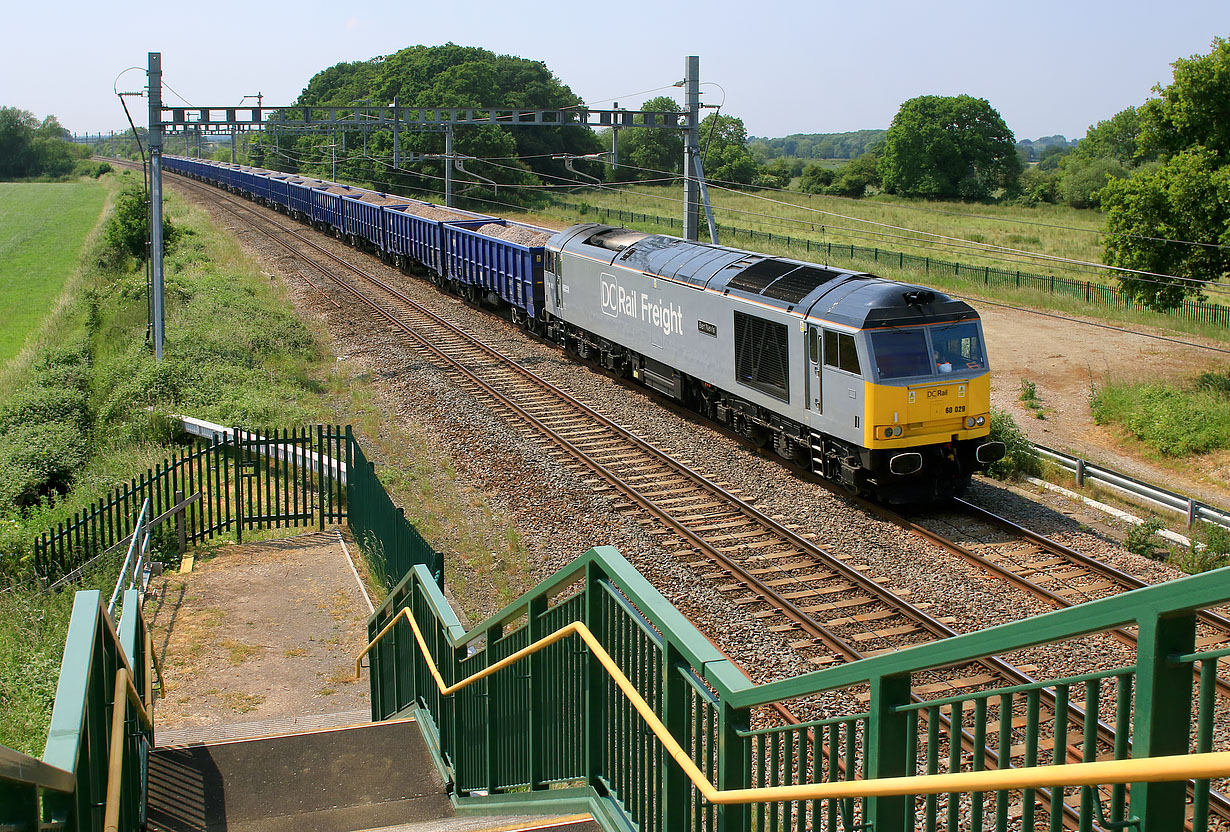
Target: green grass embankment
{"x":1171,"y":420}
{"x":80,"y":407}
{"x":43,"y":227}
{"x":79,"y":412}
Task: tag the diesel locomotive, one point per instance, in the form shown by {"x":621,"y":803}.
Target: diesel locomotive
{"x":877,"y":385}
{"x":880,"y":386}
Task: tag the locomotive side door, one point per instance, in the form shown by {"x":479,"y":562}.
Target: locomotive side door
{"x":811,"y":376}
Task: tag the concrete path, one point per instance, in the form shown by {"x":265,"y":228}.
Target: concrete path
{"x":260,"y":633}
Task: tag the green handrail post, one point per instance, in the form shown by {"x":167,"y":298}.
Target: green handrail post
{"x":888,"y":742}
{"x":537,"y":681}
{"x":734,"y":768}
{"x":676,"y":789}
{"x":595,"y":682}
{"x":1163,"y":712}
{"x":494,"y":634}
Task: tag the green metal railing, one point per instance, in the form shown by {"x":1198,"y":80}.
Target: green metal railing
{"x":247,"y":480}
{"x":94,"y":762}
{"x":390,"y":541}
{"x":554,"y":731}
{"x":1097,"y":294}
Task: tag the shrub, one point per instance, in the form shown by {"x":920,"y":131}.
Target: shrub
{"x":1020,"y":459}
{"x":1170,"y":420}
{"x":128,"y":230}
{"x":88,"y":167}
{"x":1210,"y":549}
{"x":1143,"y":540}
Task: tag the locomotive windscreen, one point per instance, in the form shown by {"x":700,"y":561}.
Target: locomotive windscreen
{"x":762,"y":358}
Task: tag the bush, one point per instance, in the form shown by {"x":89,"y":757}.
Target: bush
{"x":1143,"y":540}
{"x":1020,"y":459}
{"x":128,"y":231}
{"x":88,"y":167}
{"x":1172,"y":421}
{"x":1210,"y":550}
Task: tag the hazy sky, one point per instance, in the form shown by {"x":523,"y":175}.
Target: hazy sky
{"x":785,"y":67}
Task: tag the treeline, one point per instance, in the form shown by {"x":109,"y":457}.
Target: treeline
{"x":849,"y":145}
{"x":501,"y":164}
{"x":33,"y":149}
{"x":1158,"y":170}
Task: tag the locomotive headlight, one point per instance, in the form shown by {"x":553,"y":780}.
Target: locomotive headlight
{"x":970,"y":421}
{"x":980,"y":421}
{"x":896,"y":430}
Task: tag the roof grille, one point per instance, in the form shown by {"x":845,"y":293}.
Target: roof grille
{"x":798,"y":284}
{"x":755,"y":278}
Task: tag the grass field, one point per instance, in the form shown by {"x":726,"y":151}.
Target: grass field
{"x":1056,"y":231}
{"x":1052,"y":230}
{"x":42,"y":230}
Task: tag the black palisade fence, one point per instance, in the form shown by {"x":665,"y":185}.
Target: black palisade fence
{"x":1087,"y":290}
{"x":248,"y":480}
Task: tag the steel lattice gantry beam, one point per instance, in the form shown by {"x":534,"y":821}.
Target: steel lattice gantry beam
{"x":246,"y":119}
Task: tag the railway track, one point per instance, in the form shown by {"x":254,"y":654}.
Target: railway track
{"x":1041,"y":567}
{"x":827,"y":608}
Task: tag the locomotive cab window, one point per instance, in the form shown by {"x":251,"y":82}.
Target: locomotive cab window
{"x":958,"y":346}
{"x":901,"y":353}
{"x":840,"y":352}
{"x":762,"y":356}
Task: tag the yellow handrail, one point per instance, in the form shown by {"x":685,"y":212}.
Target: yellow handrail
{"x":125,"y":692}
{"x":1106,"y":772}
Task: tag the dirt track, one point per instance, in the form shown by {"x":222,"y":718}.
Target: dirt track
{"x":1066,"y":359}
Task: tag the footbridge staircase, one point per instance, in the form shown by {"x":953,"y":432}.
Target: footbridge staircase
{"x":591,"y":702}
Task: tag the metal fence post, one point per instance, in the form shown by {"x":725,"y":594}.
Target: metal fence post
{"x":596,"y":722}
{"x":320,"y":473}
{"x":180,"y":534}
{"x":1163,"y":714}
{"x":677,"y":790}
{"x":537,"y":680}
{"x":734,"y":768}
{"x":238,"y":487}
{"x":888,"y":743}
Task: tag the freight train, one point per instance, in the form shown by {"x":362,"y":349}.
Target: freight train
{"x":880,"y":386}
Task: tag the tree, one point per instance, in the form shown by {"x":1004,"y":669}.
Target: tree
{"x":1194,"y":109}
{"x":1113,"y":138}
{"x":1081,"y":179}
{"x":1187,"y":198}
{"x":651,"y":153}
{"x":724,"y":151}
{"x":16,"y":137}
{"x":816,"y":178}
{"x":1185,"y":195}
{"x":440,"y":76}
{"x":944,"y":147}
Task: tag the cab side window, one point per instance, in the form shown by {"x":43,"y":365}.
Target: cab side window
{"x":839,"y":352}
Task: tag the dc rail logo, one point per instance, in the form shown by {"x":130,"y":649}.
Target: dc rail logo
{"x":618,"y":302}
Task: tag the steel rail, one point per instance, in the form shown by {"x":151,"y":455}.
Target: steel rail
{"x":1013,"y":578}
{"x":936,"y":628}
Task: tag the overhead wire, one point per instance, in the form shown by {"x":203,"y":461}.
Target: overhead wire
{"x":947,"y":242}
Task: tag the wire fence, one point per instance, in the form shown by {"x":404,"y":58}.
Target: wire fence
{"x":1095,"y":294}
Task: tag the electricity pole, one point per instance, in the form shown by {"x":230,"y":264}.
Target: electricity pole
{"x":691,"y":149}
{"x":155,"y":195}
{"x":448,"y":166}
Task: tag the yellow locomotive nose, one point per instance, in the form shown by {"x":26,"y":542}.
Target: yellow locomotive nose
{"x":927,"y":413}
